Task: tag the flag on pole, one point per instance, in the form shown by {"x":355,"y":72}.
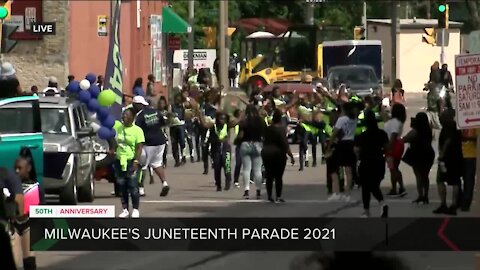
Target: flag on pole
{"x":114,"y":69}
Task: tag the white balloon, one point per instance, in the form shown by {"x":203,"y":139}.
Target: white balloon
{"x":84,"y":84}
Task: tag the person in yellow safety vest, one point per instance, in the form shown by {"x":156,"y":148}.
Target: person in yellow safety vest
{"x":277,"y":97}
{"x":369,"y":105}
{"x":238,"y":159}
{"x":306,"y":133}
{"x":218,"y":138}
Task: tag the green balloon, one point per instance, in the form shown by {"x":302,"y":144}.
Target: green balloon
{"x":106,"y":98}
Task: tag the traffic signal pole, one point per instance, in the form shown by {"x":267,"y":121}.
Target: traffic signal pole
{"x":364,"y":18}
{"x":442,"y":51}
{"x":395,"y":26}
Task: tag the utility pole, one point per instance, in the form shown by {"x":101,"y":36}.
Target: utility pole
{"x":309,"y":14}
{"x":227,"y":46}
{"x":364,"y":18}
{"x":222,"y":36}
{"x":191,"y":21}
{"x":395,"y":30}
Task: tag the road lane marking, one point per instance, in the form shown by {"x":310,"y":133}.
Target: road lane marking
{"x":257,"y":201}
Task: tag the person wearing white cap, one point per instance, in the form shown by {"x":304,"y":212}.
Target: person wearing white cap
{"x":7,"y":71}
{"x":151,"y":121}
{"x":52,"y":88}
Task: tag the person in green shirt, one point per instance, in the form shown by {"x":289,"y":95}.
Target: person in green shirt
{"x":129,"y":143}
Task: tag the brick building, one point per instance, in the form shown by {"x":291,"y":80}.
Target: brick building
{"x":81,"y":44}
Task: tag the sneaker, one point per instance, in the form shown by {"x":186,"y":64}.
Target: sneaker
{"x":264,"y":181}
{"x":384,"y":211}
{"x":251,"y":182}
{"x":402,"y":192}
{"x":135,"y":213}
{"x":124,"y":214}
{"x":365,"y":215}
{"x":442,"y":209}
{"x":334,"y":198}
{"x":177,"y":164}
{"x":271,"y":200}
{"x":259,"y":195}
{"x":280,"y":200}
{"x":346,"y":198}
{"x":141,"y":191}
{"x":236,"y":184}
{"x":164,"y":191}
{"x":392,"y":193}
{"x":227,"y":185}
{"x":452,"y":210}
{"x":219,"y":188}
{"x":246,"y":196}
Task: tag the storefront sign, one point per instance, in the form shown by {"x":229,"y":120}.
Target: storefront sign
{"x":201,"y":58}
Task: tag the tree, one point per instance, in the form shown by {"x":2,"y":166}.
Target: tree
{"x":474,"y":18}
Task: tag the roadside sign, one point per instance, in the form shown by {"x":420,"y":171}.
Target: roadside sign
{"x":174,"y":43}
{"x":467,"y":81}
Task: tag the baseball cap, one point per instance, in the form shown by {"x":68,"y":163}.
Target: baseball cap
{"x":140,"y":100}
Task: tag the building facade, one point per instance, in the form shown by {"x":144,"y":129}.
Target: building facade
{"x":81,"y":42}
{"x":414,"y":57}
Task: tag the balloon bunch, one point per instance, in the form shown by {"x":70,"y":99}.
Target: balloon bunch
{"x":97,"y":102}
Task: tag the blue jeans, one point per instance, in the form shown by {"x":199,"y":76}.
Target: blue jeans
{"x":469,"y":171}
{"x":251,"y":153}
{"x":128,"y":184}
{"x":238,"y":164}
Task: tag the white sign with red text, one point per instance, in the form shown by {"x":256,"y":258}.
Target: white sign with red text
{"x":72,"y":211}
{"x":467,"y":81}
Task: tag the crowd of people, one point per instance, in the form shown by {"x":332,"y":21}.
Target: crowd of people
{"x":357,"y":136}
{"x":359,"y":139}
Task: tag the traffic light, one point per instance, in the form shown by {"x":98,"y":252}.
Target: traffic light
{"x":7,"y":43}
{"x":210,"y":36}
{"x":5,"y":10}
{"x":359,"y":33}
{"x":443,"y":16}
{"x":429,"y":36}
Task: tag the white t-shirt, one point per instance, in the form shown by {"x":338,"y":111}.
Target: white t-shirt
{"x":348,"y":127}
{"x":393,"y":126}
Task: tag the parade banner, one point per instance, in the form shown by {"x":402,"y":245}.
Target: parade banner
{"x":254,"y":234}
{"x":114,"y":69}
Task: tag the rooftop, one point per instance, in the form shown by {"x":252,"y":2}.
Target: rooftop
{"x":415,"y":23}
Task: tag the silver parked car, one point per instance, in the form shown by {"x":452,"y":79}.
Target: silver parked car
{"x":69,"y":163}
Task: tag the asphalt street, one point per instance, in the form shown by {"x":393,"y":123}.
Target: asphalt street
{"x":193,"y":195}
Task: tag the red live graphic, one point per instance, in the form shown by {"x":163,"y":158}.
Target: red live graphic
{"x":467,"y":70}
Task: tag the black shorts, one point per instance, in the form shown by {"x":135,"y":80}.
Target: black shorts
{"x":451,"y":179}
{"x":343,"y":155}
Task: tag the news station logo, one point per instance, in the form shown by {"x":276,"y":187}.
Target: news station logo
{"x":44,"y":28}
